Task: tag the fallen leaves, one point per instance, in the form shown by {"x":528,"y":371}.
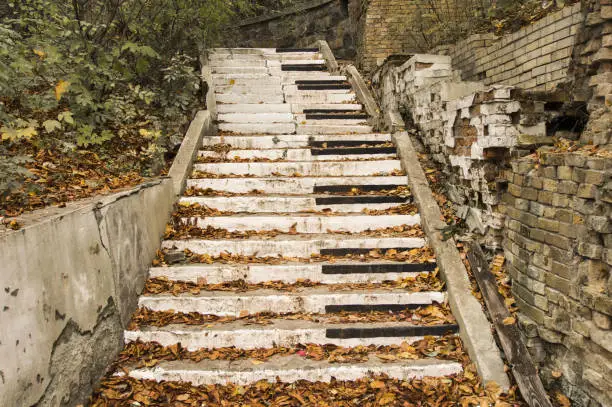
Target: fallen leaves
{"x":149,"y":354}
{"x":433,"y":314}
{"x":417,"y":256}
{"x":161,"y":285}
{"x":463,"y":390}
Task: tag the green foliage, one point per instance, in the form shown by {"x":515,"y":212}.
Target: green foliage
{"x":86,"y":73}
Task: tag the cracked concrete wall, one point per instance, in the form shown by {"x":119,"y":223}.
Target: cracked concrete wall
{"x":70,"y":283}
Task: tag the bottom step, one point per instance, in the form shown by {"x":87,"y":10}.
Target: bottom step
{"x":291,"y":369}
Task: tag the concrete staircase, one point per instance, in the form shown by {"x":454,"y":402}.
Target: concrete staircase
{"x":303,"y":205}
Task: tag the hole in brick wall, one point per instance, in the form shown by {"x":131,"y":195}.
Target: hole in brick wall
{"x":568,"y":119}
{"x":432,"y":97}
{"x":345,"y":7}
{"x":515,"y":117}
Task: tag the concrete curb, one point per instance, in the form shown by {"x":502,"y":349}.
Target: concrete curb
{"x":328,"y":55}
{"x":363,"y":93}
{"x":183,"y":162}
{"x":475,"y":331}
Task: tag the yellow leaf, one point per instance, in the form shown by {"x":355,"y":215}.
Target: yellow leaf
{"x":377,"y":384}
{"x":39,"y":53}
{"x":60,"y":89}
{"x":509,"y":321}
{"x":556,"y":374}
{"x":386,"y":399}
{"x":563,"y":401}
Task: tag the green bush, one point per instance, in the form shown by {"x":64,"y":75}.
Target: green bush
{"x":116,"y":77}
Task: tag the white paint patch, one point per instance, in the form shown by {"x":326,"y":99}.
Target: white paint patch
{"x":281,"y":185}
{"x":305,"y":223}
{"x":291,"y":246}
{"x":331,"y":129}
{"x":291,"y":369}
{"x":305,"y":168}
{"x":259,"y":273}
{"x":293,"y":154}
{"x":281,"y":333}
{"x":308,"y":300}
{"x":258,"y":128}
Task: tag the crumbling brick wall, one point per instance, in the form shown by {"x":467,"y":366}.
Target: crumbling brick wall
{"x":559,"y":249}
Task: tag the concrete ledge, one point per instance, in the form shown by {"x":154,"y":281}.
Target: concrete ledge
{"x":71,"y":278}
{"x":363,"y":93}
{"x":201,"y":125}
{"x":328,"y":55}
{"x":475,"y":329}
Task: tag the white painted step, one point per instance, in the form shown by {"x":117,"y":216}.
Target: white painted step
{"x":293,"y":154}
{"x":254,"y":108}
{"x":281,"y":185}
{"x":333,"y":129}
{"x":245,"y":89}
{"x":305,"y":223}
{"x":281,"y":333}
{"x":258,"y":128}
{"x":249,"y":98}
{"x":307,"y":300}
{"x":305,"y":168}
{"x":307,"y":96}
{"x":220,"y":71}
{"x":247,"y":82}
{"x":221,"y":76}
{"x":288,"y":141}
{"x":291,"y":369}
{"x":291,"y":245}
{"x":279,"y":204}
{"x":255,"y":117}
{"x":240,"y":63}
{"x":288,"y":273}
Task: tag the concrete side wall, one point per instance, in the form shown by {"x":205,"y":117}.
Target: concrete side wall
{"x":536,"y":57}
{"x":70,"y":282}
{"x":300,"y":26}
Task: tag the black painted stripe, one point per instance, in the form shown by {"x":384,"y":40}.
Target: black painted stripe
{"x":391,"y":332}
{"x":332,"y":309}
{"x":303,"y":67}
{"x":360,"y":199}
{"x":356,"y":116}
{"x":344,"y":143}
{"x":353,"y":150}
{"x":321,"y":82}
{"x":344,"y":252}
{"x":378,"y":268}
{"x":349,"y":188}
{"x":332,"y":111}
{"x":284,"y":50}
{"x":323,"y":87}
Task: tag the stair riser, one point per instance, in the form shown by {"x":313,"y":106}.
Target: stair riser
{"x":294,"y":155}
{"x":289,"y":248}
{"x":256,"y":117}
{"x":313,"y":169}
{"x":338,"y":372}
{"x":234,"y":305}
{"x":335,"y":123}
{"x":254,"y":339}
{"x":293,"y":90}
{"x":258,"y":128}
{"x":301,"y":186}
{"x":332,"y":129}
{"x":290,"y":141}
{"x":255,"y":274}
{"x":249,"y":98}
{"x":308,"y":97}
{"x":305,"y":224}
{"x":254,"y":108}
{"x":254,"y":204}
{"x":299,"y":108}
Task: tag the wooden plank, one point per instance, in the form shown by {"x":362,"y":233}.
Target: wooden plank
{"x":518,"y":356}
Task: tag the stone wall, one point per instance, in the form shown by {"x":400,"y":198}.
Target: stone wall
{"x":300,"y":26}
{"x":70,"y":282}
{"x":536,"y":57}
{"x":469,"y":129}
{"x":559,"y":249}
